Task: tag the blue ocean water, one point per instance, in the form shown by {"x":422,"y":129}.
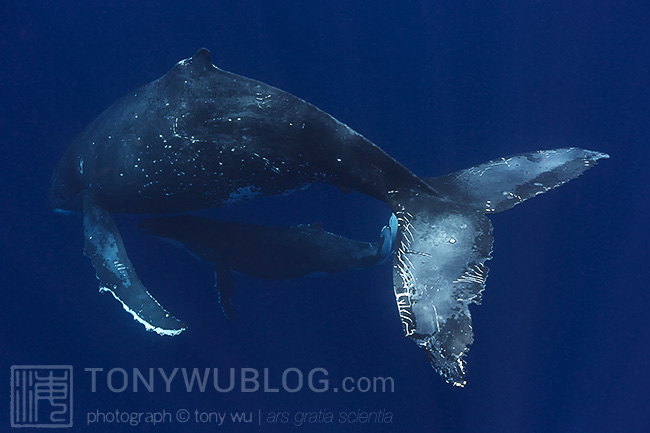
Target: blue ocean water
{"x":561,"y":342}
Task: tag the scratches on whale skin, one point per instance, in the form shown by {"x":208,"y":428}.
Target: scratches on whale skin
{"x":268,"y":163}
{"x":405,"y":288}
{"x":475,"y":274}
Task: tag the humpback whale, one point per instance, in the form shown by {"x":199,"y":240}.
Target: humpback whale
{"x":277,"y":253}
{"x":200,"y":137}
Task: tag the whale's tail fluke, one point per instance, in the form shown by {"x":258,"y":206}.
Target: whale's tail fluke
{"x":443,"y":243}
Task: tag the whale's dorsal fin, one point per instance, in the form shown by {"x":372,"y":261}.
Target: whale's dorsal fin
{"x":201,"y":58}
{"x":199,"y":64}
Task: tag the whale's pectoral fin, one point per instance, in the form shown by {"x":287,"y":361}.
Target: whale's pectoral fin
{"x":225,"y":285}
{"x":387,"y":240}
{"x":500,"y":184}
{"x":105,"y":249}
{"x":439,"y":266}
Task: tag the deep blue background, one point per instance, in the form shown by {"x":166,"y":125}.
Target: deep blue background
{"x":562,"y":341}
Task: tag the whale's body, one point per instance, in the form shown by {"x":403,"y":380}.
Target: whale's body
{"x":276,"y":253}
{"x":200,"y":137}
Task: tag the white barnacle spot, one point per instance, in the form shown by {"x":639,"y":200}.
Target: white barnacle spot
{"x":262,"y":100}
{"x":136,"y":116}
{"x":452,"y":240}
